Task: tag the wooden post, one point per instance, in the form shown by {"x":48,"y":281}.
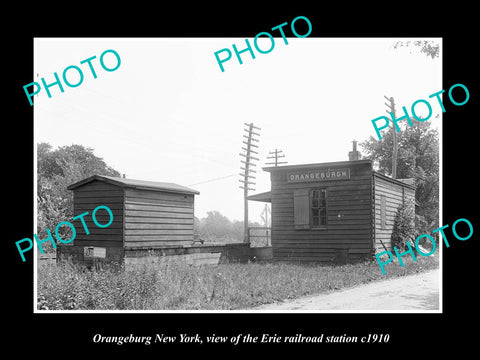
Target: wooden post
{"x":276,"y":155}
{"x":246,"y":238}
{"x":395,"y":141}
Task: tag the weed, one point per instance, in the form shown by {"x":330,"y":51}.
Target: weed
{"x":226,"y":286}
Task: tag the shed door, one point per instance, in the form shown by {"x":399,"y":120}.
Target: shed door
{"x":301,"y":209}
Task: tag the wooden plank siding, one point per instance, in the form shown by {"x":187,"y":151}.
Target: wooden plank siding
{"x":147,"y":216}
{"x":389,"y":196}
{"x":349,"y":217}
{"x":141,"y":217}
{"x":87,"y":198}
{"x":156,"y":218}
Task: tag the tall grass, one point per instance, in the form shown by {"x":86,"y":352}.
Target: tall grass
{"x":184,"y":287}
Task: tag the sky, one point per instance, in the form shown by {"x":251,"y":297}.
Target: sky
{"x":169,"y":114}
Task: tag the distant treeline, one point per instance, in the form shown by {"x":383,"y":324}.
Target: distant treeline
{"x":216,"y":227}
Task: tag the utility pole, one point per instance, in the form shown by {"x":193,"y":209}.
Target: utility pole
{"x":276,"y":155}
{"x":246,"y":175}
{"x":391,"y":106}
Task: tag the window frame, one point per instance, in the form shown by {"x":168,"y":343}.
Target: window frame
{"x":318,"y":207}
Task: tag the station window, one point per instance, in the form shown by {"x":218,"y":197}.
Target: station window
{"x":310,"y":208}
{"x":318,"y":207}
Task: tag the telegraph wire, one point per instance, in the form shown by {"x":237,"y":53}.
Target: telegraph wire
{"x":215,"y":179}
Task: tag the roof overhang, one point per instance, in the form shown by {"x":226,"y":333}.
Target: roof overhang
{"x":262,"y":197}
{"x":409,"y":183}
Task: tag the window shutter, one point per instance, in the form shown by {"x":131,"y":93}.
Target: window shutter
{"x":301,"y":209}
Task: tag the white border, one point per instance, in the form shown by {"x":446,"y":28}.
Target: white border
{"x":440,"y":310}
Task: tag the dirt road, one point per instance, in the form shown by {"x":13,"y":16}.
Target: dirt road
{"x":414,"y":292}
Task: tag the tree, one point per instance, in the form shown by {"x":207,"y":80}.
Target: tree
{"x":216,"y":227}
{"x":429,"y":48}
{"x":417,"y":158}
{"x":56,"y":169}
{"x":197,"y":225}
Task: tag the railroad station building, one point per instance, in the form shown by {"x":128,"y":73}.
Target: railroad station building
{"x":333,"y":211}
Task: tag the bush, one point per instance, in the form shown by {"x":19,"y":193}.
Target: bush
{"x":404,"y":225}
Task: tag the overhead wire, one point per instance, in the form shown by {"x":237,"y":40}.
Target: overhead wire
{"x":215,"y":179}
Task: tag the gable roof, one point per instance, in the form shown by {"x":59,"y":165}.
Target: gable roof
{"x":136,"y":184}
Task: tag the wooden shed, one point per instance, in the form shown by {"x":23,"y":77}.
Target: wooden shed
{"x":146,"y":215}
{"x":336,"y":211}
